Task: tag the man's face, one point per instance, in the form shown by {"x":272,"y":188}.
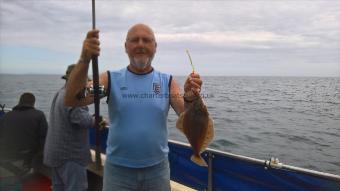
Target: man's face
{"x":140,"y":46}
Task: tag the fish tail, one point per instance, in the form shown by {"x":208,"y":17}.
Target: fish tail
{"x":198,"y":160}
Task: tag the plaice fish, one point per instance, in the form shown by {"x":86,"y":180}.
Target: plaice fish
{"x":198,"y":127}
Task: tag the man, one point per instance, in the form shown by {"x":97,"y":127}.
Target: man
{"x":22,"y":136}
{"x":138,"y":103}
{"x":67,"y":149}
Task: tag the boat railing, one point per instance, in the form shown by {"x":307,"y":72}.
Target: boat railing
{"x":228,"y":171}
{"x":5,"y":109}
{"x":271,"y":163}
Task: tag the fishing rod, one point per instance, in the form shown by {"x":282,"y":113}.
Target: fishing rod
{"x":96,"y":95}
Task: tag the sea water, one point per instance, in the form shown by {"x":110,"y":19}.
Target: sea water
{"x":295,"y":119}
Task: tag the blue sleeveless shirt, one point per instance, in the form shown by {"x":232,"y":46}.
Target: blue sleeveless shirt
{"x":138,"y":108}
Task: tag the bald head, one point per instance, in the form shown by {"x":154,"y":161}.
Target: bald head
{"x":140,"y":27}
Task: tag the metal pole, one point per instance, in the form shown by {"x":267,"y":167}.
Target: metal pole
{"x":96,"y":93}
{"x":210,"y":171}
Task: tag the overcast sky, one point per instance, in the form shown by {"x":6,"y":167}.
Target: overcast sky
{"x":265,"y":38}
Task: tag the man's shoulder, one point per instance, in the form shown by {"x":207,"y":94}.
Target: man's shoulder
{"x":116,"y":74}
{"x":117,"y":71}
{"x":59,"y":95}
{"x":18,"y":115}
{"x":162,"y":74}
{"x":38,"y":113}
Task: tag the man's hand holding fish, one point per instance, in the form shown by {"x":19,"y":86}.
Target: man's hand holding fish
{"x":195,"y":121}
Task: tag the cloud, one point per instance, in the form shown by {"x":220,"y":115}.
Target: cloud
{"x":253,"y":34}
{"x":261,"y":40}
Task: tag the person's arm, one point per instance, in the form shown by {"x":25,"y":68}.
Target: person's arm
{"x":77,"y":81}
{"x":192,"y":88}
{"x":176,"y":100}
{"x":42,"y":130}
{"x":80,"y":117}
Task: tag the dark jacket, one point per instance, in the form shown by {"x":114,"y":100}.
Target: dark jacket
{"x":22,"y":135}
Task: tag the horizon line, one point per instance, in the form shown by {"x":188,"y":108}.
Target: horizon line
{"x":210,"y":75}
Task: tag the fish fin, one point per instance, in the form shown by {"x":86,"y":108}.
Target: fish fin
{"x":179,"y":123}
{"x":198,"y":160}
{"x":210,"y":134}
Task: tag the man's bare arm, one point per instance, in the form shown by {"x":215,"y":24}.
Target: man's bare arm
{"x":176,"y":99}
{"x":77,"y":81}
{"x":76,"y":85}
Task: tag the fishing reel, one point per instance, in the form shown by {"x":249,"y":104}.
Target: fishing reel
{"x":101,"y":90}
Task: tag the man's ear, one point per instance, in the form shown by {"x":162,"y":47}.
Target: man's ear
{"x":125,"y":47}
{"x":155,"y":46}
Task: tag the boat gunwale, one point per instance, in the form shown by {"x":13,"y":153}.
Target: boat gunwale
{"x":265,"y":163}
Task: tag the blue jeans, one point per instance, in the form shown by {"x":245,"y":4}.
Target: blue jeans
{"x":153,"y":178}
{"x":70,"y":176}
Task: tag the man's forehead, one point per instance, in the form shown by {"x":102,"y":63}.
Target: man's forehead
{"x":140,"y":29}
